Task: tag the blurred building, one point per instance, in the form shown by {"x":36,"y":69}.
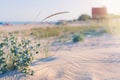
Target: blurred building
{"x":99,"y":12}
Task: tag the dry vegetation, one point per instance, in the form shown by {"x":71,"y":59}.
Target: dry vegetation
{"x":62,"y":30}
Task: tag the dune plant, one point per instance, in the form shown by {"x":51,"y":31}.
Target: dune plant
{"x":16,"y":54}
{"x":3,"y":65}
{"x":45,"y":47}
{"x":77,"y":37}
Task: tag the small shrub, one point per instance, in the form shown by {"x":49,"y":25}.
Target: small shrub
{"x":16,"y":55}
{"x":3,"y":65}
{"x":77,"y":37}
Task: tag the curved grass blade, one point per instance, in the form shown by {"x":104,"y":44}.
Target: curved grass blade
{"x":54,"y":15}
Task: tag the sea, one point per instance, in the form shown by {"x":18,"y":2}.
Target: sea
{"x":18,"y":23}
{"x":24,"y":23}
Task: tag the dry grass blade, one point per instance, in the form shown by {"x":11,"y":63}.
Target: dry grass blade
{"x":54,"y":15}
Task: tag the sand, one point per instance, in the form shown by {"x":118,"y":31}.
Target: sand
{"x":96,"y":58}
{"x":11,"y":28}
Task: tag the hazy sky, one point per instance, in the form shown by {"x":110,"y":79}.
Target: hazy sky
{"x":28,"y":10}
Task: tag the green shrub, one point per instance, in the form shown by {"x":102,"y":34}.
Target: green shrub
{"x":3,"y":65}
{"x":16,"y":54}
{"x":77,"y":37}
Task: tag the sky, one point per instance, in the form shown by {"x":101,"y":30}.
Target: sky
{"x":37,"y":10}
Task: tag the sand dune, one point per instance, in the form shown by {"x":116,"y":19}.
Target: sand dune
{"x":12,"y":28}
{"x":96,"y":58}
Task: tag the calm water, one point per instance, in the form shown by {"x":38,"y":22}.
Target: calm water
{"x":18,"y":23}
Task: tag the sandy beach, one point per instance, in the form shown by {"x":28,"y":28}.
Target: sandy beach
{"x":11,"y":28}
{"x":96,"y":58}
{"x":60,"y":40}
